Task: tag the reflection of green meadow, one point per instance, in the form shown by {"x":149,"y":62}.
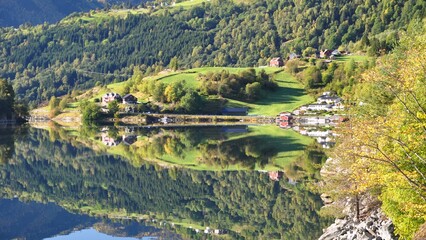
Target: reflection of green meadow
{"x":262,"y":148}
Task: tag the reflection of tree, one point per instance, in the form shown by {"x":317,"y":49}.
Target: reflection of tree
{"x":6,"y":152}
{"x":307,"y":165}
{"x":7,"y":144}
{"x":245,"y":151}
{"x":80,"y":179}
{"x":173,"y":142}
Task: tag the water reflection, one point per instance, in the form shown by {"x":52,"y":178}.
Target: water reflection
{"x":31,"y":221}
{"x":79,"y":173}
{"x":206,"y":148}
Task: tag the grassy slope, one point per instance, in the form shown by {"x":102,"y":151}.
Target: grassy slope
{"x":356,"y":58}
{"x":99,"y":16}
{"x":287,"y":97}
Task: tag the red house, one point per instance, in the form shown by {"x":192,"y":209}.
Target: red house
{"x":276,"y":62}
{"x":284,"y":119}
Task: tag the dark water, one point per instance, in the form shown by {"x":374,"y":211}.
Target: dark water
{"x":74,"y":185}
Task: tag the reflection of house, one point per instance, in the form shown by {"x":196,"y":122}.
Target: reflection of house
{"x":284,"y":120}
{"x":235,"y":129}
{"x":129,"y":139}
{"x":129,"y":99}
{"x":109,"y":97}
{"x":285,"y":116}
{"x":275,"y":175}
{"x":234,"y":111}
{"x":130,"y":109}
{"x":109,"y":141}
{"x":129,"y":129}
{"x":326,"y":142}
{"x":276,"y":62}
{"x":308,"y":121}
{"x":165,"y":120}
{"x":317,"y":133}
{"x":284,"y":124}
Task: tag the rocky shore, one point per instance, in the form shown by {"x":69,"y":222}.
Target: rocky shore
{"x":362,"y":217}
{"x":376,"y":226}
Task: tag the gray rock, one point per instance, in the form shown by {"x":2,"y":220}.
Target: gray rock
{"x":369,"y":228}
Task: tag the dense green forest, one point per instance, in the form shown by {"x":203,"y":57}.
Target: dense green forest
{"x":48,"y":60}
{"x":81,"y":180}
{"x":8,"y":105}
{"x":15,"y":13}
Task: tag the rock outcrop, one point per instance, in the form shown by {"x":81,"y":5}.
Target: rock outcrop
{"x":375,"y":226}
{"x":363,"y":216}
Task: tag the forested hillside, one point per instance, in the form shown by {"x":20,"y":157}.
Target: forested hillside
{"x":15,"y":13}
{"x":53,"y":60}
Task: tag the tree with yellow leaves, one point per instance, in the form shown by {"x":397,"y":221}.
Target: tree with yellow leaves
{"x":384,"y":145}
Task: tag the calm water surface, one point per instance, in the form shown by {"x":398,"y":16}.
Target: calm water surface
{"x":158,"y":183}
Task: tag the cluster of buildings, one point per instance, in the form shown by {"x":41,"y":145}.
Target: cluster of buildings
{"x":326,"y":102}
{"x":323,"y":54}
{"x":308,"y":122}
{"x":129,"y":100}
{"x":326,"y":138}
{"x":128,"y":138}
{"x":126,"y":99}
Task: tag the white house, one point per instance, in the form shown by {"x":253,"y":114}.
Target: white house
{"x":329,"y":99}
{"x":109,"y":97}
{"x":319,"y":107}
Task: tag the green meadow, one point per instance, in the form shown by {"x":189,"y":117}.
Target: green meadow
{"x":289,"y":95}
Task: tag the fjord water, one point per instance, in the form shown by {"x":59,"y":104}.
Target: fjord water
{"x":126,"y":183}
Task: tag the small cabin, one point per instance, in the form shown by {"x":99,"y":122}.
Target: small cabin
{"x":276,"y":62}
{"x":293,"y":56}
{"x":129,"y":139}
{"x":129,"y":99}
{"x":325,"y":53}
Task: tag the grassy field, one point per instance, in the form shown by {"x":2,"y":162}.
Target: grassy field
{"x":356,"y":58}
{"x":289,"y":95}
{"x":99,"y":16}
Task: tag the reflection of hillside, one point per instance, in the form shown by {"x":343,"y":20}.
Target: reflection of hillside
{"x":245,"y":203}
{"x":213,"y":148}
{"x":38,"y":221}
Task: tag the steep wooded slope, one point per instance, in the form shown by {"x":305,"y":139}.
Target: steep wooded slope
{"x":53,"y":60}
